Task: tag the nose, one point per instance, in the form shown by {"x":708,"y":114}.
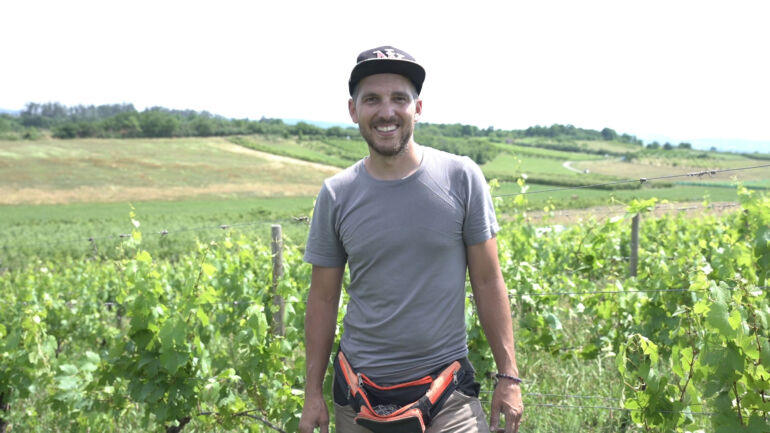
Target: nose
{"x":387,"y":110}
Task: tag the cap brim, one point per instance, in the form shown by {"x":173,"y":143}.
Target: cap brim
{"x":411,"y":70}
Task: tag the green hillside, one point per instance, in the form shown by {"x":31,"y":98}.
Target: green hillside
{"x":57,"y":193}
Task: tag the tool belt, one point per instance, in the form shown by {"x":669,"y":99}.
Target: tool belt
{"x":405,"y":407}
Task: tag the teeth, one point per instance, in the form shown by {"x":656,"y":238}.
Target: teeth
{"x":387,"y":128}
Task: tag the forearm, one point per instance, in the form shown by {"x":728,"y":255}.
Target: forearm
{"x":495,"y":317}
{"x":320,"y":327}
{"x":320,"y":324}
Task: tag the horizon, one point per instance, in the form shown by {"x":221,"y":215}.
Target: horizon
{"x":690,"y":71}
{"x":722,"y":145}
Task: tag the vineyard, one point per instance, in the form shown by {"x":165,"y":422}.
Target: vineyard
{"x":189,"y":343}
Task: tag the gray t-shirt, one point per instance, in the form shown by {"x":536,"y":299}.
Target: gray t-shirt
{"x":405,"y":243}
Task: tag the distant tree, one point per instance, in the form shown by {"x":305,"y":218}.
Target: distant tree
{"x":203,"y":126}
{"x":469,"y":131}
{"x":668,"y":146}
{"x":124,"y":124}
{"x":654,"y":145}
{"x":43,"y":115}
{"x":75,"y":130}
{"x":157,"y":123}
{"x":608,"y":134}
{"x":336,"y":131}
{"x":684,"y":145}
{"x":303,"y":128}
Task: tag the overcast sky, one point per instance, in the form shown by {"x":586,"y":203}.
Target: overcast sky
{"x":680,"y":70}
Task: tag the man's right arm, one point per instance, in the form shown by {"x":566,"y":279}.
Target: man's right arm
{"x":320,"y":326}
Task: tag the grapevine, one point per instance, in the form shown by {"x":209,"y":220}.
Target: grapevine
{"x":185,"y":344}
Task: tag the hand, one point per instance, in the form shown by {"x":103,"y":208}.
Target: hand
{"x":506,"y":400}
{"x":314,"y":414}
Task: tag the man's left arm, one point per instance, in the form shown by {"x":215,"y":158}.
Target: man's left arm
{"x":491,"y":298}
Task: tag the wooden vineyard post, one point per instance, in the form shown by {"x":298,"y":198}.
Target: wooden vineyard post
{"x":634,"y":245}
{"x":277,"y":249}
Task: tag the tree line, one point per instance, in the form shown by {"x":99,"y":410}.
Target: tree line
{"x":125,"y":121}
{"x":570,"y":131}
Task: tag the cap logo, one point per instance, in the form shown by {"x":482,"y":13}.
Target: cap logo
{"x":388,"y":54}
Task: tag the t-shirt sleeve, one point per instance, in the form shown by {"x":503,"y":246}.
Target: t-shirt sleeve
{"x":480,"y":220}
{"x":324,"y":247}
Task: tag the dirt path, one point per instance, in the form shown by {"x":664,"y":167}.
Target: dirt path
{"x":601,"y":213}
{"x":235,"y":148}
{"x":568,"y":166}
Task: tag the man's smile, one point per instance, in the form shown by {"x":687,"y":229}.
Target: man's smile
{"x":385,"y":128}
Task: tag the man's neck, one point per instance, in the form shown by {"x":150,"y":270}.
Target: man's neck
{"x":394,"y":167}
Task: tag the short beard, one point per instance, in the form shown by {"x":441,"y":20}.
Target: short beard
{"x":402,"y":147}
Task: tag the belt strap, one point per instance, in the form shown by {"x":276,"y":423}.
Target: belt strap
{"x":441,"y":387}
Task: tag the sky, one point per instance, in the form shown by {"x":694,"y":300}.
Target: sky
{"x":674,"y":70}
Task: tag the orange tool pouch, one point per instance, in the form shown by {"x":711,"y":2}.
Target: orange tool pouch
{"x":405,"y":407}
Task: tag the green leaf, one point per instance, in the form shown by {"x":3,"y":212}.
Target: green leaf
{"x":757,"y":424}
{"x":201,"y":315}
{"x":147,"y":389}
{"x":765,"y":354}
{"x":735,"y":320}
{"x":641,"y":206}
{"x":171,"y":360}
{"x":68,"y":369}
{"x":142,"y":338}
{"x":762,"y":248}
{"x":589,"y":351}
{"x":67,"y":383}
{"x":552,"y":321}
{"x":719,"y":319}
{"x":208,"y":269}
{"x":720,"y":294}
{"x":173,"y":333}
{"x":650,"y":349}
{"x":144,"y":257}
{"x":92,"y":357}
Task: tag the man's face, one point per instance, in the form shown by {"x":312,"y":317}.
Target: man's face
{"x":386,"y":111}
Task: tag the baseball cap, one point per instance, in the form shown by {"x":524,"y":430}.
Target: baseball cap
{"x":386,"y":60}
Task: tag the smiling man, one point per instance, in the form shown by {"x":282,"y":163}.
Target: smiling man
{"x":408,"y":221}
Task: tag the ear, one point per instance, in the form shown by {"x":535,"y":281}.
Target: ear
{"x":417,"y":110}
{"x":352,"y":110}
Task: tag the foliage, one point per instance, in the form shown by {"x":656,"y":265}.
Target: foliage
{"x":570,"y":131}
{"x":92,"y":231}
{"x":145,"y":344}
{"x":11,"y":128}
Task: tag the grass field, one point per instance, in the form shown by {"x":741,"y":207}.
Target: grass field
{"x":56,"y":194}
{"x":595,"y":147}
{"x":334,"y":152}
{"x":98,"y":170}
{"x":558,"y":198}
{"x":549,"y":171}
{"x":649,"y":167}
{"x":546,"y":153}
{"x":57,"y":230}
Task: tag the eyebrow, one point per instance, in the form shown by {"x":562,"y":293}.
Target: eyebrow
{"x":395,"y":93}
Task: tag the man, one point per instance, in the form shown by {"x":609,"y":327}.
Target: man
{"x":407,"y":220}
